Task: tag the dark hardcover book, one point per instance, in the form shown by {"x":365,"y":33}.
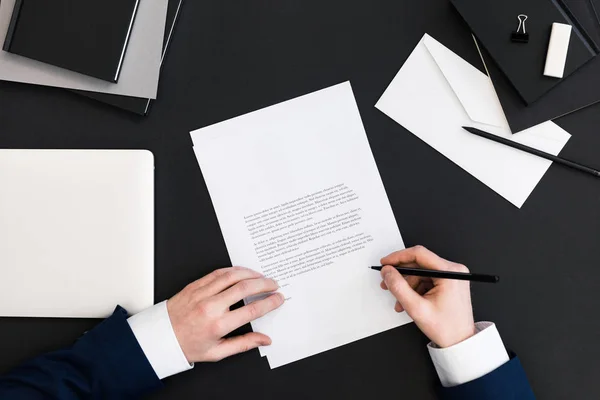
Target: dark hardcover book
{"x":582,"y":89}
{"x":85,"y":36}
{"x":139,"y":105}
{"x":493,"y":23}
{"x":586,"y":12}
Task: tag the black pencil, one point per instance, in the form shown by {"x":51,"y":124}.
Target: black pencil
{"x":432,"y":273}
{"x":533,"y":151}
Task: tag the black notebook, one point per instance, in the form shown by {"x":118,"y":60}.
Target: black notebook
{"x":493,"y":21}
{"x":140,"y":105}
{"x":580,"y":90}
{"x":85,"y":36}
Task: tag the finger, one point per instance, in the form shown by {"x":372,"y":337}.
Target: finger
{"x":205,"y":280}
{"x":246,"y":288}
{"x":398,"y":307}
{"x":240,"y":317}
{"x":407,"y":265}
{"x":419,"y":255}
{"x":406,"y":296}
{"x":227,"y":280}
{"x":239,"y":344}
{"x":413,"y":281}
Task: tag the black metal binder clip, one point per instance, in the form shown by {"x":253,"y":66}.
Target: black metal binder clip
{"x":520,"y":35}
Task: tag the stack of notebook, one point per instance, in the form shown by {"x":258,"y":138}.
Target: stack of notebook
{"x":517,"y":68}
{"x":110,"y":50}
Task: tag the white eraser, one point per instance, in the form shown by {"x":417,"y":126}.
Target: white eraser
{"x":557,"y":50}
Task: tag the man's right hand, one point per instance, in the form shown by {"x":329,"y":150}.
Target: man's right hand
{"x":201,"y":317}
{"x":441,"y":308}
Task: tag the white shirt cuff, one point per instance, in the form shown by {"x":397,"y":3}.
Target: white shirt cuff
{"x":153,"y":330}
{"x":470,"y":359}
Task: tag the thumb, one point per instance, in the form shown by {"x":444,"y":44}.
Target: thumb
{"x":410,"y":300}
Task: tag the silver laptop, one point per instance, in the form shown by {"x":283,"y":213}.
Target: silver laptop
{"x":76,"y":232}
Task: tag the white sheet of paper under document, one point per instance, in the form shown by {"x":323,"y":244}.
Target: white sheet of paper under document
{"x":436,"y":92}
{"x":299,"y":198}
{"x":141,"y":65}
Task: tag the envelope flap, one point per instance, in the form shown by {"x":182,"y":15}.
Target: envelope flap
{"x":472,"y":87}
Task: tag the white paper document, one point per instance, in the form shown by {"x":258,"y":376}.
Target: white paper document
{"x":436,"y":92}
{"x":299,"y":198}
{"x":141,"y":64}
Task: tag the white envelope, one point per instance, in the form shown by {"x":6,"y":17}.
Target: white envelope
{"x":436,"y":92}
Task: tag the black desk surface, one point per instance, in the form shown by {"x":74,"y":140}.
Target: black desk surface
{"x":229,"y":58}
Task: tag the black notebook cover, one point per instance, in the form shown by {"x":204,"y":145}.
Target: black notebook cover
{"x":85,"y":36}
{"x":493,"y":21}
{"x":586,"y":12}
{"x":140,"y":105}
{"x":580,"y":90}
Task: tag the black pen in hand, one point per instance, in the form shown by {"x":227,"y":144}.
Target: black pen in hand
{"x":432,"y":273}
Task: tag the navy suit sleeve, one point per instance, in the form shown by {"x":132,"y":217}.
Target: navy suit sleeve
{"x":105,"y":363}
{"x":508,"y":382}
